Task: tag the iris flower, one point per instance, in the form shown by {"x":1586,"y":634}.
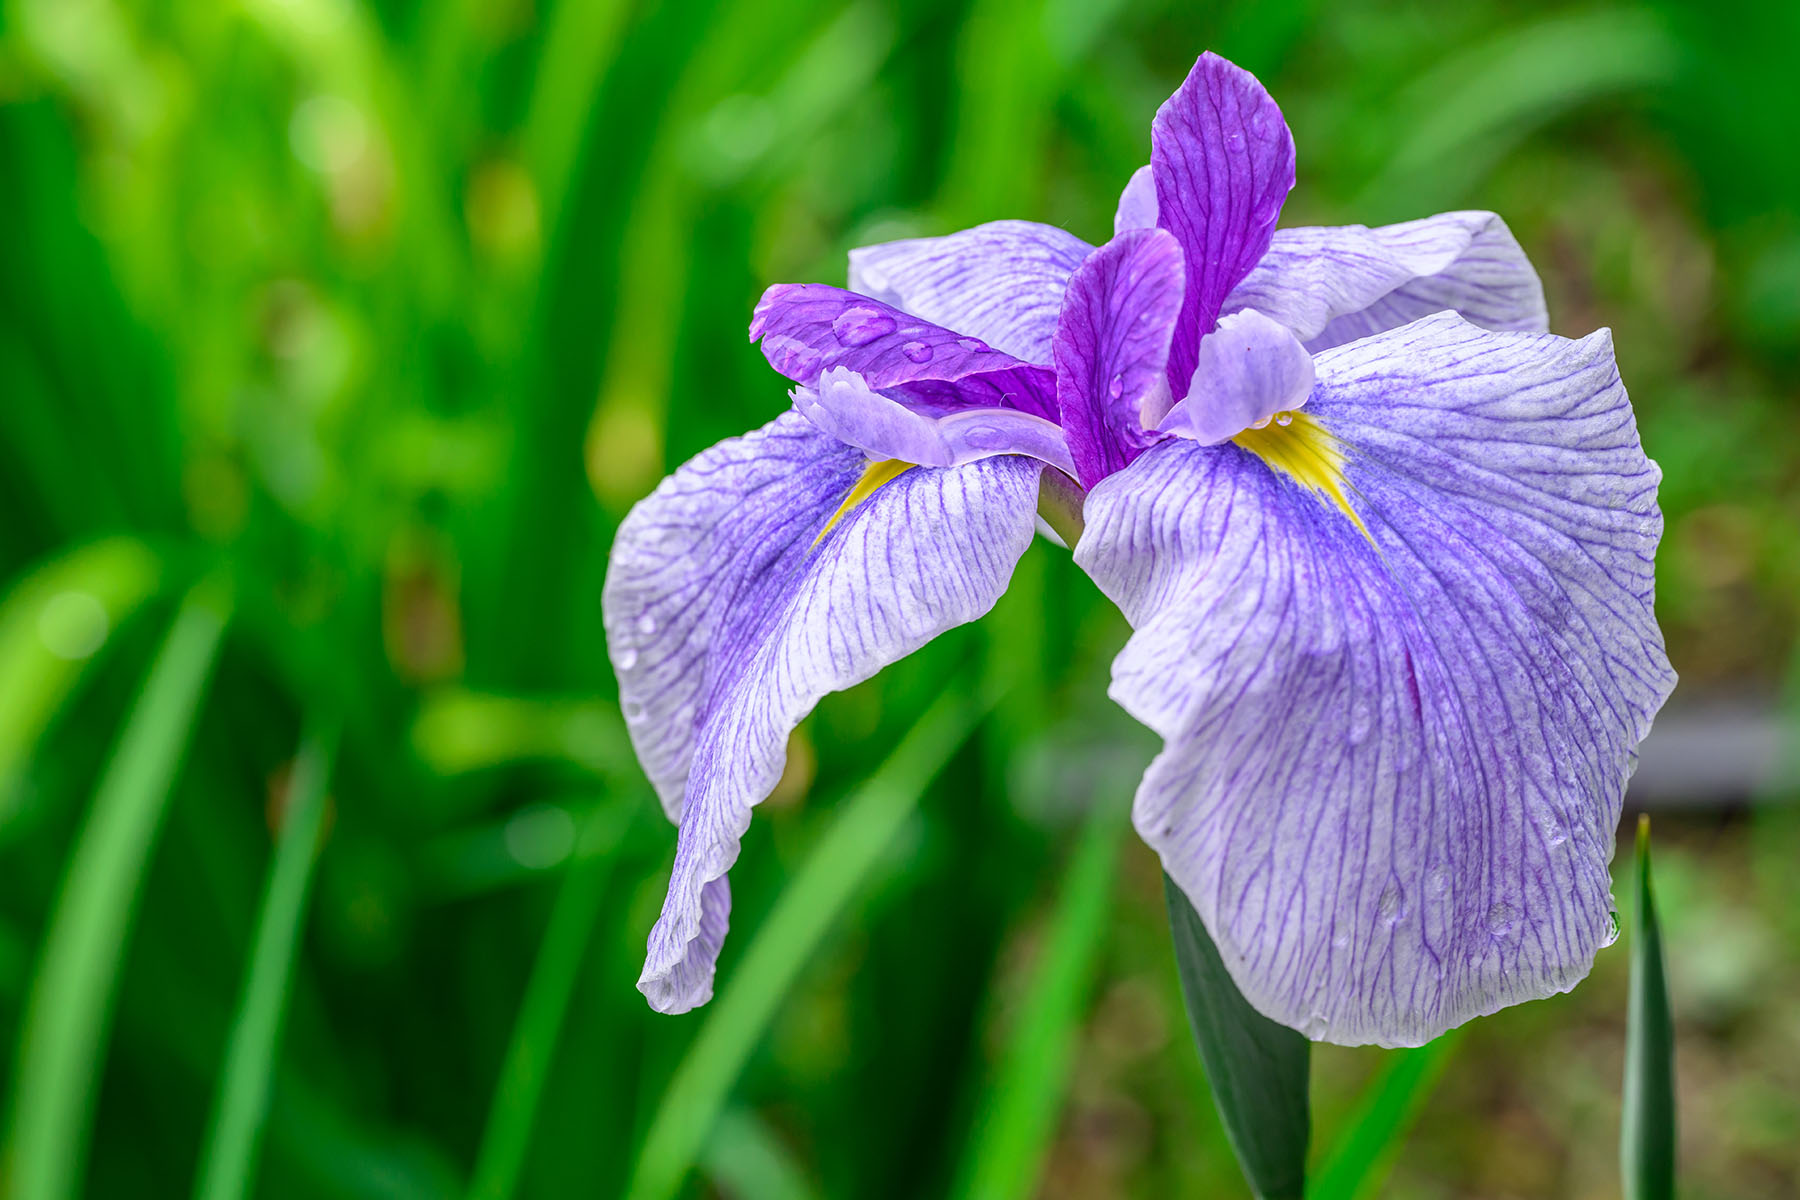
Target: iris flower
{"x":1385,"y":545}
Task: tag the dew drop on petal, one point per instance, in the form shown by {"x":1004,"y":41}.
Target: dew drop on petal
{"x":625,"y":659}
{"x":1362,"y":719}
{"x":1501,"y":919}
{"x":1612,"y":927}
{"x":1437,"y":880}
{"x":1284,"y":419}
{"x":861,"y":325}
{"x":646,"y":625}
{"x":632,"y":710}
{"x":919,"y":352}
{"x":1389,"y":908}
{"x":1340,"y":940}
{"x":1117,"y":387}
{"x":973,"y":345}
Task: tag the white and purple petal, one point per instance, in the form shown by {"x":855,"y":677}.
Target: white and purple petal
{"x":1250,"y":368}
{"x":1137,"y":203}
{"x":726,"y":624}
{"x":1112,"y":349}
{"x":1394,"y":762}
{"x":1001,"y":282}
{"x":1223,"y":162}
{"x":1334,"y":284}
{"x":809,"y":328}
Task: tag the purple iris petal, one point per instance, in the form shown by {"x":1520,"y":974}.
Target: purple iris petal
{"x":1223,"y":161}
{"x":1001,"y":282}
{"x":807,"y":328}
{"x":1392,"y":771}
{"x":844,"y":406}
{"x":1332,"y":285}
{"x":1250,"y":368}
{"x":1137,"y":203}
{"x":726,"y":624}
{"x":1112,"y":349}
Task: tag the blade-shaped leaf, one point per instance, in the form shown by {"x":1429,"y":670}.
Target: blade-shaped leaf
{"x":1257,"y":1068}
{"x":1359,"y":1162}
{"x":1647,"y":1132}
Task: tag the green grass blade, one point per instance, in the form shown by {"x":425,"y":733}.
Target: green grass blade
{"x":1258,"y":1069}
{"x":514,"y":1108}
{"x":860,"y":831}
{"x":1359,"y":1162}
{"x":1017,"y":1118}
{"x":70,"y":1006}
{"x":1647,"y":1130}
{"x":748,"y":1162}
{"x":234,"y":1131}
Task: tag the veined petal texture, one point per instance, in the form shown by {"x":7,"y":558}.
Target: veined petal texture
{"x":1334,"y":284}
{"x":1223,"y":161}
{"x":1394,"y":763}
{"x":1001,"y":282}
{"x":726,"y":624}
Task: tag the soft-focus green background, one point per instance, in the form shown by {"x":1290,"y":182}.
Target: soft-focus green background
{"x":377,"y":315}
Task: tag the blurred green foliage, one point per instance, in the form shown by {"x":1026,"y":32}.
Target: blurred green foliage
{"x":384,"y":311}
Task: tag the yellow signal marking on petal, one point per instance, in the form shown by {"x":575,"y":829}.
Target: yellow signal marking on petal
{"x":1305,"y":451}
{"x":876,"y":476}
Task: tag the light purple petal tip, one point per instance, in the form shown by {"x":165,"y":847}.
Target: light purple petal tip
{"x":1112,"y":349}
{"x":1393,"y":771}
{"x":1223,"y":161}
{"x":1001,"y":282}
{"x":1335,"y":284}
{"x":1137,"y":203}
{"x":726,"y":624}
{"x":1250,"y":368}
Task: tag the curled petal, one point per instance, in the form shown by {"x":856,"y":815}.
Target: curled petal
{"x":1394,"y":763}
{"x":1250,"y":368}
{"x":809,"y":328}
{"x":1001,"y":282}
{"x":1112,"y":349}
{"x":844,"y":406}
{"x":1223,"y":161}
{"x":1334,"y":284}
{"x":726,"y":624}
{"x":1137,"y":203}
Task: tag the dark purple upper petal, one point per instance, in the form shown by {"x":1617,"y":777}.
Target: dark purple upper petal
{"x":1112,"y":349}
{"x":1223,"y":161}
{"x":807,"y":328}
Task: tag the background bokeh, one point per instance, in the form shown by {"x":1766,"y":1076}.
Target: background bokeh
{"x":366,"y":320}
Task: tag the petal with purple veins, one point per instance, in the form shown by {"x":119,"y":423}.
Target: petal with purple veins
{"x":1001,"y":282}
{"x":1112,"y":349}
{"x":1223,"y":161}
{"x":1334,"y":284}
{"x":726,"y":624}
{"x":1394,"y":764}
{"x":1250,"y":369}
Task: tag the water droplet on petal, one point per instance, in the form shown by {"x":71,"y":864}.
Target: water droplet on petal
{"x":1612,"y":927}
{"x":1437,"y":880}
{"x":646,"y":625}
{"x":1116,"y":388}
{"x":1284,"y":419}
{"x":1389,"y":908}
{"x":1501,"y":919}
{"x":861,"y":325}
{"x":632,"y":710}
{"x":1340,"y":940}
{"x":973,"y":345}
{"x":1362,"y":719}
{"x":919,"y":352}
{"x":625,"y":659}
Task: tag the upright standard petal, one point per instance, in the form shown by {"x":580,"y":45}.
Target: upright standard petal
{"x":809,"y":328}
{"x":1397,"y":739}
{"x":727,"y":619}
{"x":1334,"y":284}
{"x":1112,"y":349}
{"x":1001,"y":282}
{"x":1223,"y":161}
{"x":1137,"y":203}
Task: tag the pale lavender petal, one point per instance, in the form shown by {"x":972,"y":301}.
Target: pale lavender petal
{"x":1112,"y":349}
{"x":1001,"y":282}
{"x":807,"y":328}
{"x":1394,"y":764}
{"x":844,"y":406}
{"x":726,"y":624}
{"x":1224,"y":163}
{"x":1137,"y":203}
{"x":1250,"y":368}
{"x":1334,"y":284}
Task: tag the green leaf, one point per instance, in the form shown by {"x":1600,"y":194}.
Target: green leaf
{"x":1647,"y":1130}
{"x":1359,"y":1162}
{"x":1257,"y":1068}
{"x":241,"y":1107}
{"x":70,"y":1007}
{"x":860,"y":832}
{"x":1017,"y":1117}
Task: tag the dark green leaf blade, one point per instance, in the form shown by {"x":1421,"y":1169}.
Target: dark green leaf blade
{"x":1257,"y":1068}
{"x":1647,"y":1129}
